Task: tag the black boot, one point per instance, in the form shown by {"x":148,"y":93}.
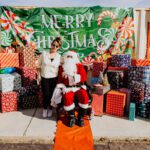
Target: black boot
{"x":72,"y":119}
{"x":81,"y":114}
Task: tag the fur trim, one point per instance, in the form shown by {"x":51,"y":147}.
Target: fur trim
{"x":68,"y":108}
{"x":73,"y":54}
{"x":84,"y":106}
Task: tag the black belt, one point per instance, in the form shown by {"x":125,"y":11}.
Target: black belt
{"x":68,"y":86}
{"x":79,"y":85}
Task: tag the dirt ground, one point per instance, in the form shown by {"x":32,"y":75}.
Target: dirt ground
{"x":32,"y":143}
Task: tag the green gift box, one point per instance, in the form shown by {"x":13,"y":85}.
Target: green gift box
{"x":132,"y":112}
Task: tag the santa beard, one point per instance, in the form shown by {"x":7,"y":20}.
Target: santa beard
{"x":69,"y":66}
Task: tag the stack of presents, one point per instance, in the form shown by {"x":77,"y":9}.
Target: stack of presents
{"x":18,"y":87}
{"x":121,"y":87}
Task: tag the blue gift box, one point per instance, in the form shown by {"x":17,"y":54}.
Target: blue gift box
{"x":94,"y":80}
{"x":121,"y":60}
{"x":139,"y":73}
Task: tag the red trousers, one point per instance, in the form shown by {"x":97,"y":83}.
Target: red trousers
{"x":82,"y":97}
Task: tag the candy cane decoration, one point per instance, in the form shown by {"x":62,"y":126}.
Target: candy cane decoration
{"x":127,"y":27}
{"x":9,"y":23}
{"x":103,"y":14}
{"x":88,"y":60}
{"x":93,"y":53}
{"x":98,"y":58}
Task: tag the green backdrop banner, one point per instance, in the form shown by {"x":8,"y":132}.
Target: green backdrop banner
{"x":91,"y":31}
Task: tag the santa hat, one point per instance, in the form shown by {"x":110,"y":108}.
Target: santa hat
{"x":73,"y":54}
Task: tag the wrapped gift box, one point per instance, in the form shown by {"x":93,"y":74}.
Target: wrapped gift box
{"x":28,"y":102}
{"x":26,"y":57}
{"x":147,"y":91}
{"x":121,"y":60}
{"x":143,"y":109}
{"x":9,"y":60}
{"x":28,"y":90}
{"x":28,"y":76}
{"x":8,"y":101}
{"x":94,"y":80}
{"x":140,"y":62}
{"x":137,"y":91}
{"x":128,"y":97}
{"x":97,"y":104}
{"x":10,"y":82}
{"x":109,"y":61}
{"x":139,"y":74}
{"x":115,"y":103}
{"x":117,"y":68}
{"x":116,"y":78}
{"x":98,"y":67}
{"x":132,"y":112}
{"x":99,"y":90}
{"x":147,"y":100}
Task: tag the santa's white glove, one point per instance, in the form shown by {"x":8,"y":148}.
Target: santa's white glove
{"x":64,"y":90}
{"x":53,"y":104}
{"x":60,"y":85}
{"x":84,"y":87}
{"x":77,"y":78}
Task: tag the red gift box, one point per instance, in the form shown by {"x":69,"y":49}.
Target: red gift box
{"x":98,"y":67}
{"x":9,"y":101}
{"x":28,"y":75}
{"x":97,"y":104}
{"x":26,"y":57}
{"x":117,"y":68}
{"x":128,"y":97}
{"x":140,"y":62}
{"x":115,"y":103}
{"x":9,"y":60}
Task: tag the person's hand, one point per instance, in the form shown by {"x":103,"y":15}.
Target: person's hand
{"x":64,"y":75}
{"x":38,"y":79}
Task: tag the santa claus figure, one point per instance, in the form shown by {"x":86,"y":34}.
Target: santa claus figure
{"x":71,"y":78}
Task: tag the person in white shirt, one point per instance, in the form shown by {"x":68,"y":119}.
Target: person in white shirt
{"x":47,"y":74}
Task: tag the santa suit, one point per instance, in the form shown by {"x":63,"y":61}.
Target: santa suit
{"x":73,"y":87}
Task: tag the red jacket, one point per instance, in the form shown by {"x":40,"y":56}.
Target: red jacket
{"x":80,"y":70}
